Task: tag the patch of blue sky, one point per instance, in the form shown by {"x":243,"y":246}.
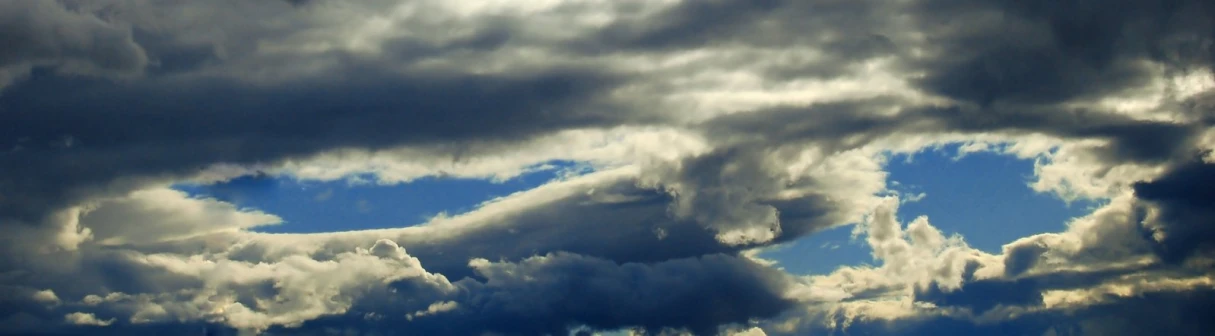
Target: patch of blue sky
{"x":821,"y":252}
{"x":983,"y":196}
{"x":343,"y":205}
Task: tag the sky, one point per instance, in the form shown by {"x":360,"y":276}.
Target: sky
{"x":986,"y":198}
{"x":607,"y":167}
{"x":356,"y":204}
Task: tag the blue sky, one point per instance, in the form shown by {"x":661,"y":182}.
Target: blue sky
{"x":983,"y":196}
{"x":355,"y":204}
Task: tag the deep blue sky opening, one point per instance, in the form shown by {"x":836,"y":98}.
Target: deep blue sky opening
{"x":312,"y":206}
{"x":983,"y":196}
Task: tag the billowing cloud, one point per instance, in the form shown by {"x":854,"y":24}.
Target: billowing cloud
{"x":709,"y":129}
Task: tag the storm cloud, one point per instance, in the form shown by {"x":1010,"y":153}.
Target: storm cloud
{"x":713,"y":130}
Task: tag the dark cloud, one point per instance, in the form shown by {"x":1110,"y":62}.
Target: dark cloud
{"x":1186,"y":225}
{"x":1026,"y":76}
{"x":689,"y":24}
{"x":46,"y":33}
{"x":983,"y":295}
{"x":644,"y":252}
{"x":554,"y":293}
{"x":119,"y":329}
{"x":846,"y":125}
{"x":844,"y":34}
{"x":1037,"y":52}
{"x":1171,"y":312}
{"x":1130,"y":140}
{"x":1014,"y":53}
{"x":23,"y":309}
{"x":166,"y":127}
{"x":547,"y":294}
{"x":625,"y":230}
{"x":827,"y":124}
{"x":298,"y":2}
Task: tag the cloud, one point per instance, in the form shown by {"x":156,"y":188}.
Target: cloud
{"x":363,"y":206}
{"x":434,"y":308}
{"x":156,"y":215}
{"x":47,"y":297}
{"x":380,"y":285}
{"x":1182,"y":224}
{"x":86,"y":319}
{"x":257,"y":296}
{"x":1062,"y":53}
{"x":72,"y":42}
{"x":534,"y":222}
{"x":712,"y":128}
{"x":911,"y":258}
{"x":550,"y":293}
{"x":1070,"y":287}
{"x":56,"y":177}
{"x":324,"y":195}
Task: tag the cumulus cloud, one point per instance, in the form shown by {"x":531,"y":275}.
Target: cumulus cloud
{"x":256,"y":296}
{"x":86,"y":319}
{"x":711,"y":128}
{"x":46,"y":297}
{"x":1051,"y":283}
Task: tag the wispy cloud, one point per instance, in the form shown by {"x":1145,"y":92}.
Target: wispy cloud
{"x":363,"y":206}
{"x":324,"y":195}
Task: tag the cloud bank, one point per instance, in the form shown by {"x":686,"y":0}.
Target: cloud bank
{"x":714,"y":129}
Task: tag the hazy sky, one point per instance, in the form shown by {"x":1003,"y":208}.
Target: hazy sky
{"x":616,"y":167}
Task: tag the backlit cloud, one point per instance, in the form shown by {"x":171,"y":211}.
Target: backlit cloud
{"x":701,"y":131}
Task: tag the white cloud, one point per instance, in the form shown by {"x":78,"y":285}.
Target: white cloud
{"x":156,"y":215}
{"x":599,"y":148}
{"x":434,"y":308}
{"x":46,"y":297}
{"x":87,"y":319}
{"x":1075,"y":171}
{"x":256,"y":296}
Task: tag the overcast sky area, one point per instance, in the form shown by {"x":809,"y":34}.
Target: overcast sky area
{"x":607,"y":167}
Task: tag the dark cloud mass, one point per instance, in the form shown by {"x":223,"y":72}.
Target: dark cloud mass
{"x":178,"y":128}
{"x":715,"y":127}
{"x":1181,"y":313}
{"x":45,"y":33}
{"x":1044,"y":52}
{"x":549,"y":294}
{"x":1185,"y":226}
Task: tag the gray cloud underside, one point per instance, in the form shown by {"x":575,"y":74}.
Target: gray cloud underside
{"x":1169,"y":312}
{"x":99,"y":99}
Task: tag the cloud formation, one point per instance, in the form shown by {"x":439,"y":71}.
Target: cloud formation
{"x":714,"y":128}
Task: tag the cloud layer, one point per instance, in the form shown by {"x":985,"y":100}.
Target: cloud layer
{"x":714,"y":129}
